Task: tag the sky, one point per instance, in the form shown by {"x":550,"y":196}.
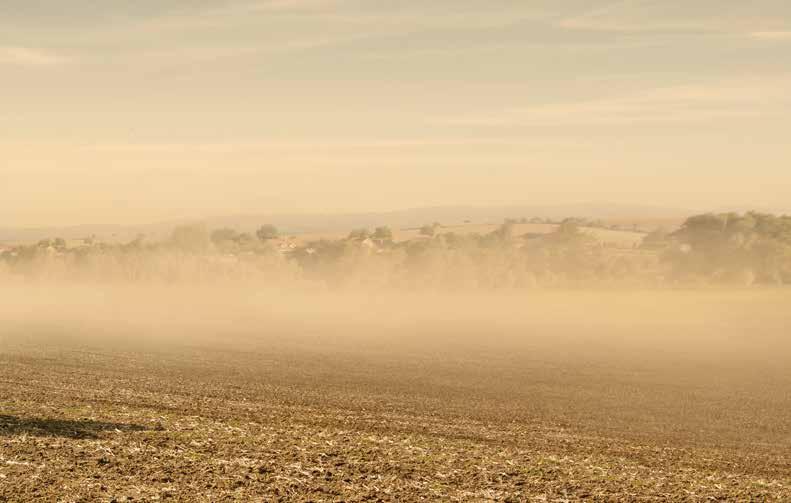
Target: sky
{"x":147,"y":110}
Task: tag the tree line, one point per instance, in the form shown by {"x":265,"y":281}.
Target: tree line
{"x":725,"y":248}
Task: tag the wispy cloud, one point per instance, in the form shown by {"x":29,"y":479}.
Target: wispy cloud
{"x":235,"y":13}
{"x":338,"y":19}
{"x":188,"y":55}
{"x":599,"y":18}
{"x":296,"y":5}
{"x":772,"y":35}
{"x":637,"y":16}
{"x":281,"y":26}
{"x":25,"y":56}
{"x":308,"y":145}
{"x":689,"y":103}
{"x":190,"y":32}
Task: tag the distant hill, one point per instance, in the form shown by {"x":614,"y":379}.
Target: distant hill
{"x":641,"y":216}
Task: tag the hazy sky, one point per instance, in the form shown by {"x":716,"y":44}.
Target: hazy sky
{"x":134,"y":111}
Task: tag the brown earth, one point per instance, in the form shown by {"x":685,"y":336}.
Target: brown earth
{"x":441,"y":410}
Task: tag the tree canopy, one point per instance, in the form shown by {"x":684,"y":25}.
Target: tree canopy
{"x":267,"y":232}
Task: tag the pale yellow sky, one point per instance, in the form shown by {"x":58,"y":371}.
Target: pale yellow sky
{"x":130,"y":112}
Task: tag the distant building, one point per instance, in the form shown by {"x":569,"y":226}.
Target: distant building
{"x":286,"y":246}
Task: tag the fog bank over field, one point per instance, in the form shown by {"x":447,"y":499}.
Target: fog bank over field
{"x":711,"y":324}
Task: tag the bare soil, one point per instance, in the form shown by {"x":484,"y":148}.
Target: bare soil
{"x":414,"y":414}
